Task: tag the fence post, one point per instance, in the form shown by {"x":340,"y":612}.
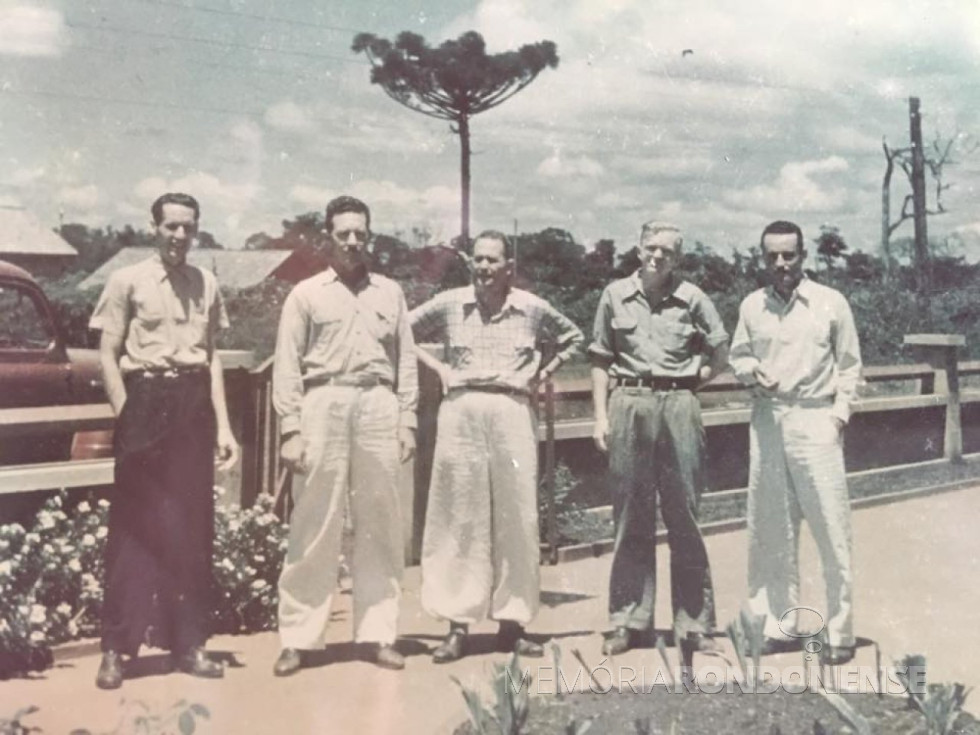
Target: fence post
{"x":942,"y":352}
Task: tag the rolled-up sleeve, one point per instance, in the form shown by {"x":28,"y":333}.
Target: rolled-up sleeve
{"x":112,"y":311}
{"x":558,"y":328}
{"x":601,"y":350}
{"x":287,"y":374}
{"x":708,"y":320}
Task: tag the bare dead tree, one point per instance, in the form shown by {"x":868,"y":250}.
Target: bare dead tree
{"x":938,"y":156}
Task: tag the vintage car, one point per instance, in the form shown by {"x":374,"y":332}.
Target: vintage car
{"x":38,"y":369}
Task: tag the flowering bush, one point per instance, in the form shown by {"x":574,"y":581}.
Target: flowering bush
{"x":51,"y":576}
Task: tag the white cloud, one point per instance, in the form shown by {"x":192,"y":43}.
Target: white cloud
{"x":289,"y":117}
{"x":217,"y":197}
{"x":30,"y":31}
{"x":25,"y":176}
{"x":799,"y":188}
{"x":79,"y":198}
{"x":558,"y":165}
{"x":310,"y":196}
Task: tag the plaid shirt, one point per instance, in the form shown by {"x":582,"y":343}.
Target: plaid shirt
{"x":506,"y":350}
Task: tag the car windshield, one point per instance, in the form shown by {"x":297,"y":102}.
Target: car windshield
{"x":22,"y":324}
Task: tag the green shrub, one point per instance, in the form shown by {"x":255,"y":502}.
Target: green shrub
{"x":51,"y":577}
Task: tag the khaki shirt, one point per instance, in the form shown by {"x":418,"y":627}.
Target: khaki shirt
{"x":328,"y":332}
{"x":809,"y":344}
{"x":508,"y":349}
{"x":167,"y":316}
{"x":637,"y":339}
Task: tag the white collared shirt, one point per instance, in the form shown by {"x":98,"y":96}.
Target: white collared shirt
{"x":808,"y":344}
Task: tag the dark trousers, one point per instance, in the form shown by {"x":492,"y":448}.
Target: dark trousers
{"x":158,"y":576}
{"x":656,"y":449}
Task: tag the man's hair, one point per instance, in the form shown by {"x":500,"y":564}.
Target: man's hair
{"x":343,"y":204}
{"x":654,"y":226}
{"x":499,"y":237}
{"x":173,"y":197}
{"x":783,"y":227}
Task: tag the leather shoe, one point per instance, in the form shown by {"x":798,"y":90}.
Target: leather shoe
{"x":697,"y":641}
{"x":110,"y":674}
{"x":837,"y":655}
{"x":387,"y":657}
{"x":452,"y":647}
{"x":512,"y":639}
{"x":289,"y":662}
{"x":621,"y":640}
{"x":196,"y":663}
{"x":772,"y":646}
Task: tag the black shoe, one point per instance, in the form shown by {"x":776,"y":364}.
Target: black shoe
{"x":452,"y":648}
{"x":836,"y":655}
{"x":621,"y":640}
{"x":110,"y":674}
{"x":512,"y":639}
{"x":771,"y":646}
{"x":387,"y":657}
{"x":289,"y":662}
{"x":697,"y":641}
{"x":196,"y":663}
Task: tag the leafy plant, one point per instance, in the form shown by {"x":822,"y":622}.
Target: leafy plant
{"x":14,"y":726}
{"x":940,"y":704}
{"x":511,"y":705}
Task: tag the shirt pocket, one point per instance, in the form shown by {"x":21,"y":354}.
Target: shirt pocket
{"x":325,"y":329}
{"x":679,"y":339}
{"x":624,"y":333}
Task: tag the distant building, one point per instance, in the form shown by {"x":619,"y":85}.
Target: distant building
{"x":235,"y":269}
{"x":25,"y":242}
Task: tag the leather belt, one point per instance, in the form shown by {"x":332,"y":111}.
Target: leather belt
{"x":503,"y":389}
{"x":170,"y":373}
{"x":349,"y":381}
{"x":658,"y":383}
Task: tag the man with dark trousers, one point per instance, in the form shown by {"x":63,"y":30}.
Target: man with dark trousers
{"x":651,"y":336}
{"x":164,"y":381}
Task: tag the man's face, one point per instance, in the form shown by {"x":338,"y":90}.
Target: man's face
{"x":658,"y":253}
{"x":174,"y":233}
{"x":348,"y":239}
{"x":491,"y":269}
{"x":784,"y":261}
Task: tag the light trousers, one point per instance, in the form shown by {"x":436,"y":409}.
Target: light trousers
{"x":480,"y":552}
{"x":796,"y":472}
{"x":351,"y":437}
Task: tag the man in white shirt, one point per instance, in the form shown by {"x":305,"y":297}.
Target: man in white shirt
{"x":797,"y":347}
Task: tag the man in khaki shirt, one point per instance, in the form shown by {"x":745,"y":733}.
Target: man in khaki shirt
{"x":164,"y":380}
{"x":345,"y":387}
{"x":797,"y":347}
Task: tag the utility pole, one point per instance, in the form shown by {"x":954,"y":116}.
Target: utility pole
{"x":922,"y":265}
{"x":515,"y":246}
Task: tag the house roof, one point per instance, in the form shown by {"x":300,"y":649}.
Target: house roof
{"x":234,"y":268}
{"x":21,"y":233}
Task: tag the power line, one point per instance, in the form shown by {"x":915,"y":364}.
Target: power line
{"x":250,"y":16}
{"x":210,"y":42}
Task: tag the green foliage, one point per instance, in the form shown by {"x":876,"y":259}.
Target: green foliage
{"x":940,"y":704}
{"x":137,"y":719}
{"x":511,"y":705}
{"x":14,"y":726}
{"x":51,"y":577}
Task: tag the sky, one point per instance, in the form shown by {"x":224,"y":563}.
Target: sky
{"x":717,"y":115}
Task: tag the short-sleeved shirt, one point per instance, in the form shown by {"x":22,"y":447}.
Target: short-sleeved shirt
{"x":167,"y":316}
{"x":327,"y":332}
{"x":637,"y":339}
{"x":504,"y":351}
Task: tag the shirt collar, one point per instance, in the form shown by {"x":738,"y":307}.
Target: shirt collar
{"x":513,"y":301}
{"x":165,"y":271}
{"x":681,"y":290}
{"x":803,"y":290}
{"x":330,"y":276}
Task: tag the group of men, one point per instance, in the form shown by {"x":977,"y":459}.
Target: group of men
{"x":345,"y":387}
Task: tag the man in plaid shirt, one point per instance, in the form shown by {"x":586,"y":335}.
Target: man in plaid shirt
{"x":480,"y":547}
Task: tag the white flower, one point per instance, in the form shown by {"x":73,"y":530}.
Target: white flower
{"x":47,"y":549}
{"x":102,"y":532}
{"x":259,"y":584}
{"x":72,"y":628}
{"x":88,"y":540}
{"x":6,"y":568}
{"x":32,"y":538}
{"x":74,"y":565}
{"x":66,"y":548}
{"x":59,"y":515}
{"x":226,"y":564}
{"x":233,"y":526}
{"x":37,"y":615}
{"x":37,"y":637}
{"x":103,"y":503}
{"x":64,"y":609}
{"x":219,"y":491}
{"x":84,"y":507}
{"x":45,"y":520}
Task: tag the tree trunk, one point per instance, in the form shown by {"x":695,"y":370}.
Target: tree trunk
{"x":922,"y":264}
{"x":886,"y":184}
{"x":463,"y":127}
